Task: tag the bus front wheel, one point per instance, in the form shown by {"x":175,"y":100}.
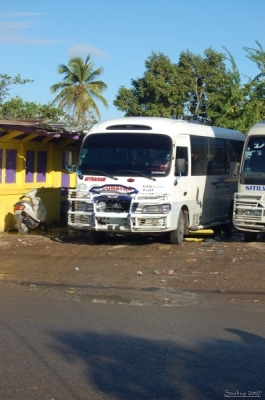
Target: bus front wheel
{"x":177,"y":236}
{"x":227,"y":228}
{"x":250,"y":236}
{"x":98,"y":237}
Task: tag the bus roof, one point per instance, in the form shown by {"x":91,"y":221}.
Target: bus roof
{"x":168,"y":126}
{"x":257,"y":129}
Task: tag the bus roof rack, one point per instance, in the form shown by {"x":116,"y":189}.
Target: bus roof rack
{"x":194,"y":121}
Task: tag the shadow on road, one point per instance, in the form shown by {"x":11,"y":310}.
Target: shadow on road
{"x":125,"y":367}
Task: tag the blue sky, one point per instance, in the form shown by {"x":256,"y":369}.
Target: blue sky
{"x":37,"y":36}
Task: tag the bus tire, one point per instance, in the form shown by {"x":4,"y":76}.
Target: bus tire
{"x":227,"y":228}
{"x":98,"y":237}
{"x":250,"y":236}
{"x":177,"y":236}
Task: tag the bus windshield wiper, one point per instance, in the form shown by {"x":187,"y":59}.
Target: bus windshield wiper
{"x":97,"y":171}
{"x":252,"y":175}
{"x":141,"y":174}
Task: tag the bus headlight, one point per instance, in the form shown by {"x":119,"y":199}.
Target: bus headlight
{"x":256,"y":213}
{"x":156,"y":209}
{"x":101,"y":205}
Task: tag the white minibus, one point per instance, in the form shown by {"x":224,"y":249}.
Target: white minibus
{"x":249,"y":201}
{"x":147,"y":175}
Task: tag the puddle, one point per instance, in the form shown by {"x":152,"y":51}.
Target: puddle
{"x":174,"y":298}
{"x":113,"y":299}
{"x":179,"y":299}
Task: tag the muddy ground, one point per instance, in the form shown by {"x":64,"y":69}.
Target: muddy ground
{"x":135,"y":270}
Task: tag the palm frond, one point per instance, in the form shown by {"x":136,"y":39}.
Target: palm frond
{"x":79,"y":89}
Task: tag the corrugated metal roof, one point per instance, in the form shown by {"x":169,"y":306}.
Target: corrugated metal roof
{"x":40,"y":128}
{"x":38,"y":125}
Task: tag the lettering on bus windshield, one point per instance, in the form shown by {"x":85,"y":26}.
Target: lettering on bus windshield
{"x":255,"y":187}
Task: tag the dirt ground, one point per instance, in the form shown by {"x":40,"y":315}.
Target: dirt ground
{"x":135,"y":270}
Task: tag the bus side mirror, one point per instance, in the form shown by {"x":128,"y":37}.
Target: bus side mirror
{"x":180,"y":166}
{"x":68,"y":159}
{"x":234,"y":168}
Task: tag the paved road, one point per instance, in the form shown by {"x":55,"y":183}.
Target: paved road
{"x":52,"y":348}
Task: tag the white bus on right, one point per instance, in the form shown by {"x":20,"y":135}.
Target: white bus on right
{"x":249,"y":201}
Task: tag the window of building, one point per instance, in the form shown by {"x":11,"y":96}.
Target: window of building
{"x":11,"y":165}
{"x":30,"y":160}
{"x":41,"y":166}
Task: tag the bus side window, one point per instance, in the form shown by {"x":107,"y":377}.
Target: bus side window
{"x":217,"y":161}
{"x":199,"y":155}
{"x":230,"y":155}
{"x":195,"y":162}
{"x":182,"y":152}
{"x":234,"y":150}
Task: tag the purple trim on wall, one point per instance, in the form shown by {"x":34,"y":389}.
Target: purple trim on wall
{"x":65,"y":183}
{"x":65,"y":180}
{"x":1,"y":164}
{"x":11,"y":165}
{"x":41,"y":166}
{"x":30,"y":158}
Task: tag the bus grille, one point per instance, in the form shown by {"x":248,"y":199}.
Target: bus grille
{"x":117,"y":206}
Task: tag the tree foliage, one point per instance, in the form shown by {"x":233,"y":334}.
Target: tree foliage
{"x":203,"y":79}
{"x":88,"y":120}
{"x":207,"y":88}
{"x":80,"y":89}
{"x":157,"y":93}
{"x":16,"y":108}
{"x":7,"y":81}
{"x":227,"y":103}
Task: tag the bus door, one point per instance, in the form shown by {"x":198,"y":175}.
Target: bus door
{"x":181,"y":188}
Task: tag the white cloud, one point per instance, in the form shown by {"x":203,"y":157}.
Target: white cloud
{"x":19,"y":15}
{"x":13,"y":32}
{"x":83,"y":49}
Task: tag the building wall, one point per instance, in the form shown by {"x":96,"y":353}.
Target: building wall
{"x":25,"y":165}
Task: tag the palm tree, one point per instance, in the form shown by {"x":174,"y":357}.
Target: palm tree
{"x":79,"y":89}
{"x":258,"y":56}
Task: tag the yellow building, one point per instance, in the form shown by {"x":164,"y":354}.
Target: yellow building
{"x":32,"y":156}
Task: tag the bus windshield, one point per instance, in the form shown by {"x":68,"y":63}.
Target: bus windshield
{"x":253,"y":166}
{"x":126,"y":154}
